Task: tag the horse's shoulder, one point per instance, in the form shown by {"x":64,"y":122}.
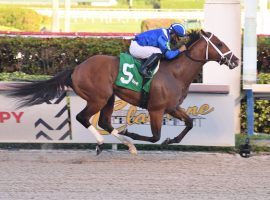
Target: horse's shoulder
{"x":163,"y":77}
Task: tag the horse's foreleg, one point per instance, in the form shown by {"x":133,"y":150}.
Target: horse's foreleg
{"x":156,"y":118}
{"x":181,"y":115}
{"x":105,"y":115}
{"x":105,"y":123}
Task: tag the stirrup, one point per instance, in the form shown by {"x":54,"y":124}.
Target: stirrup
{"x":144,"y":71}
{"x":148,"y":74}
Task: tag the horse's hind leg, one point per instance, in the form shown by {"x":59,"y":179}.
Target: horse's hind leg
{"x":105,"y":123}
{"x":181,"y":115}
{"x":84,"y":118}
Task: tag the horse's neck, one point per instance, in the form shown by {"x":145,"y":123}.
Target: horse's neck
{"x":187,"y":69}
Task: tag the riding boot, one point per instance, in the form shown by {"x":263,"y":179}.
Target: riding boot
{"x":147,"y":66}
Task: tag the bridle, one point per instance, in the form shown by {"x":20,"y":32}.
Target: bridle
{"x":223,"y":59}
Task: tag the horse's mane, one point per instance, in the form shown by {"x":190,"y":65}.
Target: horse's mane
{"x":193,"y":36}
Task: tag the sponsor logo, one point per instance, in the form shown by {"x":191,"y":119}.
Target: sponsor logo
{"x":131,"y":115}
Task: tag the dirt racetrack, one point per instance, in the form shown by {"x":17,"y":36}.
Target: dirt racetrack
{"x":64,"y":175}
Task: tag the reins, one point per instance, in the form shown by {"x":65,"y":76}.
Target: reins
{"x":194,"y":59}
{"x":223,"y":59}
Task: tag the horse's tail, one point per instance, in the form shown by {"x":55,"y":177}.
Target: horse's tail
{"x":38,"y":92}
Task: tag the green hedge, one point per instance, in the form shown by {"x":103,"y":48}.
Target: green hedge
{"x":48,"y":56}
{"x":263,"y":63}
{"x":21,"y":18}
{"x":20,"y":76}
{"x":51,"y":55}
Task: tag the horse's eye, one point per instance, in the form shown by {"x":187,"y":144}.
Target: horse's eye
{"x":219,"y":44}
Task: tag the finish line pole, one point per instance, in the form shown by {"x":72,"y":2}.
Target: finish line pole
{"x":250,"y":112}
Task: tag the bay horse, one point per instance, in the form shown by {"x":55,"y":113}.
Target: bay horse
{"x":94,"y":81}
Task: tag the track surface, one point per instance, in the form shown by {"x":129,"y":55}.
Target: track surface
{"x":64,"y":175}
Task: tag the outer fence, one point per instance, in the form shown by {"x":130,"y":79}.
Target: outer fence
{"x":64,"y":34}
{"x":211,"y":106}
{"x":124,"y":15}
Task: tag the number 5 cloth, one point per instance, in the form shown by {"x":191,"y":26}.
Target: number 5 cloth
{"x":129,"y":76}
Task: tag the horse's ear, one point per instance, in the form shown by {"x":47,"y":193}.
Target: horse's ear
{"x":203,"y":33}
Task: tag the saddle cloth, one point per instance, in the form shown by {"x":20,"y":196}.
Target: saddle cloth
{"x":129,"y":76}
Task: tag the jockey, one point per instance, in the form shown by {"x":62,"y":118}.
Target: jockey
{"x":152,"y":44}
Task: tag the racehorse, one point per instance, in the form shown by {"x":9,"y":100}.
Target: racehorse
{"x":94,"y":81}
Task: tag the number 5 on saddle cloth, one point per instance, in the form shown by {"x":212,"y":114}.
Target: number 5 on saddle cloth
{"x":129,"y":76}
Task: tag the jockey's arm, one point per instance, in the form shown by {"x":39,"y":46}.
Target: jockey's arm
{"x":171,"y":54}
{"x":164,"y":46}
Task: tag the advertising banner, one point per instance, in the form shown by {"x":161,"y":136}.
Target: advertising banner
{"x":47,"y":122}
{"x":50,"y":122}
{"x":212,"y":113}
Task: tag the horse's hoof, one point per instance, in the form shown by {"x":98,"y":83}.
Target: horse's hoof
{"x":123,"y":132}
{"x":99,"y":149}
{"x":132,"y":149}
{"x":166,"y":142}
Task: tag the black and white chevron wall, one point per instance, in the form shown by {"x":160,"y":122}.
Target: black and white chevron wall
{"x":55,"y":125}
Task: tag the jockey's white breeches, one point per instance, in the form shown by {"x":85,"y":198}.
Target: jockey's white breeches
{"x":142,"y":52}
